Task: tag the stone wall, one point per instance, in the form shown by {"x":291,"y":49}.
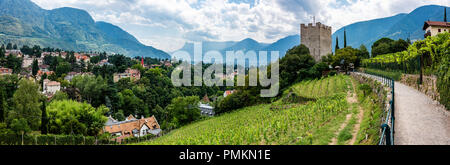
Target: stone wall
{"x":427,"y":87}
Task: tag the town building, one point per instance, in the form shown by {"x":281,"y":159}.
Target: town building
{"x":44,"y":68}
{"x":206,"y":99}
{"x":134,"y":74}
{"x":17,"y":53}
{"x":40,"y":73}
{"x":228,"y":92}
{"x":5,"y":71}
{"x":28,"y":61}
{"x":433,"y":28}
{"x":132,"y":127}
{"x":167,"y":64}
{"x":317,"y":37}
{"x":82,"y":57}
{"x":206,"y":110}
{"x":103,"y":62}
{"x":50,"y":87}
{"x":70,"y":76}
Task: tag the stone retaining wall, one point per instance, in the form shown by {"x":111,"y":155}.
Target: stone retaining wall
{"x":427,"y":87}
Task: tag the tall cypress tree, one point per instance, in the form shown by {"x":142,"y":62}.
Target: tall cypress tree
{"x":2,"y":52}
{"x":337,"y":44}
{"x":345,"y":38}
{"x":35,"y":67}
{"x":3,"y":104}
{"x":445,"y":14}
{"x":44,"y":120}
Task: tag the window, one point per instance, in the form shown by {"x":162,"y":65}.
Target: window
{"x":439,"y":30}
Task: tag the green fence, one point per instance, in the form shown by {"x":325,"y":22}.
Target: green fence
{"x":387,"y":133}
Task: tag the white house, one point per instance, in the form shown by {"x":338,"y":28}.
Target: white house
{"x":206,"y":109}
{"x":51,"y":87}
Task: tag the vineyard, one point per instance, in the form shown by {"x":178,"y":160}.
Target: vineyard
{"x":430,"y":52}
{"x":431,"y":56}
{"x":321,"y":88}
{"x":313,"y":122}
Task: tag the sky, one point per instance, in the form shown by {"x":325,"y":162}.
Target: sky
{"x":168,"y":24}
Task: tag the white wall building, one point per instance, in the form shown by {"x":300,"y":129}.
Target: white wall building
{"x":51,"y":87}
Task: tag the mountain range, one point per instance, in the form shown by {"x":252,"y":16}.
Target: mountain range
{"x":25,"y":23}
{"x":400,"y":26}
{"x":282,"y":45}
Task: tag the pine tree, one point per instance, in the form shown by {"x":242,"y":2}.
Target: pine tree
{"x":337,"y":44}
{"x":345,"y":38}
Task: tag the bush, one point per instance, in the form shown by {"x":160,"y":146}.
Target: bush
{"x":443,"y":82}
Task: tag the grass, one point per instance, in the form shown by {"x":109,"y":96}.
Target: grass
{"x":346,"y":133}
{"x":370,"y":125}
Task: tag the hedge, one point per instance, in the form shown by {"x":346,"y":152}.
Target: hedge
{"x":14,"y":139}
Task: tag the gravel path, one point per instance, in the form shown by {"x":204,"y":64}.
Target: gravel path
{"x":419,"y":120}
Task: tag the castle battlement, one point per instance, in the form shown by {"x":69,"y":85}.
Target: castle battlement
{"x":317,"y":25}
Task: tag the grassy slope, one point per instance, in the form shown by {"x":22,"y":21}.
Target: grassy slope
{"x":370,"y":126}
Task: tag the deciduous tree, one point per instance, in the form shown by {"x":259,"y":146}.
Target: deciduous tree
{"x":27,"y":104}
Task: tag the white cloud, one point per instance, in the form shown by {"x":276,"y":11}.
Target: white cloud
{"x":166,"y":24}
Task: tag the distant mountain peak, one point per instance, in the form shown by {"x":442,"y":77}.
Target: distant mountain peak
{"x":25,"y":23}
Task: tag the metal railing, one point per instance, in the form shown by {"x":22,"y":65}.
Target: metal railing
{"x":387,"y":126}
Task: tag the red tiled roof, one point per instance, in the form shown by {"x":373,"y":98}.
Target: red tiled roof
{"x":5,"y":70}
{"x":53,"y":83}
{"x":127,"y":127}
{"x":435,"y":23}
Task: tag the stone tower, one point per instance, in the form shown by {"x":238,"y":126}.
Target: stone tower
{"x":317,"y":38}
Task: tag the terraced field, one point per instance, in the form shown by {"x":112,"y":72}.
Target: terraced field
{"x":313,"y":122}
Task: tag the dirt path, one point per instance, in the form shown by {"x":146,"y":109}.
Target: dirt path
{"x":347,"y":119}
{"x":419,"y":120}
{"x":357,"y":125}
{"x":359,"y":117}
{"x":351,"y":98}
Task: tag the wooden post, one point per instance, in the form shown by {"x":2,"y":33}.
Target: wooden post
{"x":420,"y":67}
